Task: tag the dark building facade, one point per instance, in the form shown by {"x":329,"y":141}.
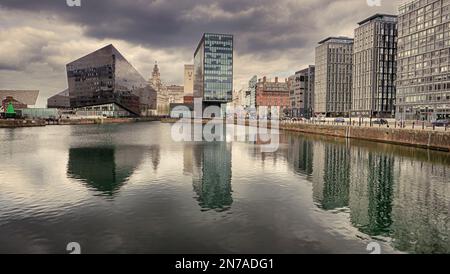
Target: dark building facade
{"x":375,"y":67}
{"x":302,"y":93}
{"x":60,"y":100}
{"x":213,"y":69}
{"x":104,"y":81}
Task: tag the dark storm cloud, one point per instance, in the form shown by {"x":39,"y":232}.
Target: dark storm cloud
{"x":258,"y":24}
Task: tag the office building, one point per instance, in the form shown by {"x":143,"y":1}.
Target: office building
{"x":301,"y":94}
{"x":423,"y":77}
{"x":175,"y":94}
{"x":106,"y":83}
{"x":213,"y":70}
{"x":333,"y":77}
{"x":375,"y":67}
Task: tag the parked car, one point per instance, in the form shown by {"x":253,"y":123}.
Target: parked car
{"x":441,"y":123}
{"x":380,"y":122}
{"x":339,"y":120}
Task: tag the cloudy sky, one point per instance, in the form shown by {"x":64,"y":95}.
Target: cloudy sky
{"x":272,"y":37}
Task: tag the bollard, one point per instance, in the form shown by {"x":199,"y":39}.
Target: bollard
{"x":414,"y":124}
{"x":423,"y":125}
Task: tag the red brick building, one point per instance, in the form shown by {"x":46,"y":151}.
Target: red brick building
{"x":272,"y":94}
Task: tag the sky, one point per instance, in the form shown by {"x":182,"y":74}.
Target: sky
{"x":272,"y":38}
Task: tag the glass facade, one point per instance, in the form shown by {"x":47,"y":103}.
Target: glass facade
{"x":106,"y":77}
{"x":423,"y":86}
{"x":375,"y":67}
{"x":213,"y":65}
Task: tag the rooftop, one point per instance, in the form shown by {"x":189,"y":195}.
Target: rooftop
{"x":377,"y":16}
{"x":337,"y":39}
{"x":28,"y":97}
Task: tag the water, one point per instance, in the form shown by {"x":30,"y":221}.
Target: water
{"x":130,"y":189}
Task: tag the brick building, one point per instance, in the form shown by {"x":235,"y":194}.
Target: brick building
{"x":272,"y":94}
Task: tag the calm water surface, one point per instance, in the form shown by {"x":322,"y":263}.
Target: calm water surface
{"x":131,"y":189}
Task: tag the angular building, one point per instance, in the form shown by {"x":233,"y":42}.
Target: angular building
{"x":375,"y":67}
{"x":105,"y":82}
{"x":333,"y":77}
{"x":20,"y":98}
{"x":301,"y":95}
{"x":213,"y":70}
{"x":60,"y":100}
{"x":423,"y":76}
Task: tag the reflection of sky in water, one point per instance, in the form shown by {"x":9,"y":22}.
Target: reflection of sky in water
{"x":129,"y":188}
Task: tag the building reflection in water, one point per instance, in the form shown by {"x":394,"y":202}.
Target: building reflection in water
{"x":106,"y":169}
{"x":210,"y":165}
{"x":331,"y":176}
{"x":155,"y":155}
{"x":392,"y":192}
{"x":372,"y":191}
{"x":422,"y":209}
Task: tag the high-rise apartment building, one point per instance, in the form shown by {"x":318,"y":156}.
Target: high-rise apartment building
{"x":213,"y":69}
{"x":423,"y":76}
{"x":375,"y":67}
{"x":302,"y":93}
{"x":333,"y":77}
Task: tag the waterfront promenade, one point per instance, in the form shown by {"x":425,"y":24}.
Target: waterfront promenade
{"x":408,"y":134}
{"x":18,"y":123}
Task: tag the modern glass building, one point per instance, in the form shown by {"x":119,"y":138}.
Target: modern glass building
{"x":423,"y":76}
{"x":105,"y":82}
{"x":375,"y":67}
{"x":213,"y":69}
